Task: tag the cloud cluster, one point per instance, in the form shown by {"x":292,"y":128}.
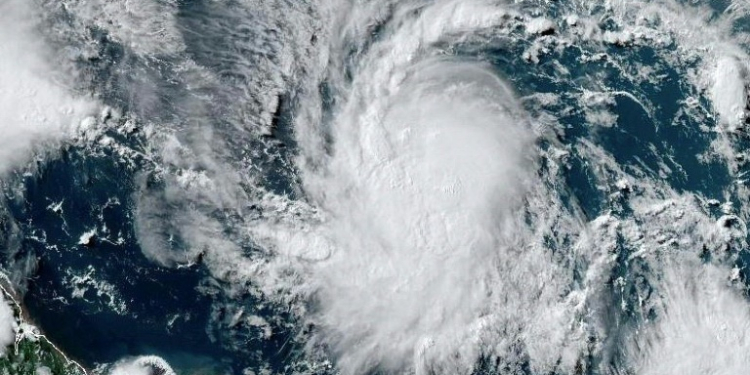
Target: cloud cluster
{"x":432,"y":230}
{"x":34,"y":106}
{"x":703,"y":325}
{"x":8,"y":325}
{"x":144,"y":365}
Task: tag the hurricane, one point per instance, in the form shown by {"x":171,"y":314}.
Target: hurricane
{"x":364,"y":187}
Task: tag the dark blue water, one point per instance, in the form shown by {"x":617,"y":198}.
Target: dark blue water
{"x":90,"y":331}
{"x":179,"y":314}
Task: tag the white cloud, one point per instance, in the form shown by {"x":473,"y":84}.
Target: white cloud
{"x":144,"y":365}
{"x":33,"y":106}
{"x":131,"y":368}
{"x":703,"y":325}
{"x":424,"y":241}
{"x":729,"y":94}
{"x":423,"y":259}
{"x":421,"y":193}
{"x":8,"y":325}
{"x":145,"y":26}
